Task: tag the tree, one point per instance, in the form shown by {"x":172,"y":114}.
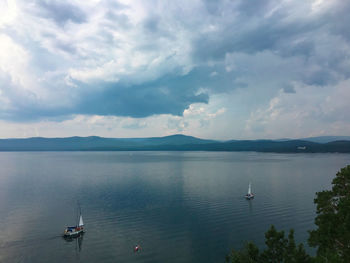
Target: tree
{"x":276,"y":246}
{"x":294,"y":254}
{"x":249,"y":254}
{"x":332,"y":236}
{"x":291,"y":247}
{"x":278,"y":249}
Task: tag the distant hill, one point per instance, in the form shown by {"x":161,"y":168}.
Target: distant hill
{"x":95,"y":143}
{"x":177,"y":139}
{"x":326,"y":139}
{"x":171,"y":143}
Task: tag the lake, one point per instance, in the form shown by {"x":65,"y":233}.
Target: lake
{"x":178,"y":206}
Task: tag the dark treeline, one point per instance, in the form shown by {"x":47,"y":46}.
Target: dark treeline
{"x":331,"y":238}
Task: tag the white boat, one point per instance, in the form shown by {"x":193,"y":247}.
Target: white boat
{"x":77,"y":230}
{"x":249,"y":195}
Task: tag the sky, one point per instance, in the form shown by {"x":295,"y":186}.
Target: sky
{"x":217,"y":69}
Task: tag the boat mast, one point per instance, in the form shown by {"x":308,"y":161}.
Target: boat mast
{"x":249,"y":189}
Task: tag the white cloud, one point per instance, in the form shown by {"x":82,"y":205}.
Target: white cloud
{"x":8,"y":12}
{"x":13,"y":61}
{"x":311,"y":111}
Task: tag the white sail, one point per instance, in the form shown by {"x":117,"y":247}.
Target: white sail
{"x":249,"y":189}
{"x":81,"y":223}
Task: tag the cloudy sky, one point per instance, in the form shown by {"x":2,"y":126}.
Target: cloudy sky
{"x":220,"y":69}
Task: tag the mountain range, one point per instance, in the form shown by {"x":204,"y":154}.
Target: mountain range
{"x":177,"y":142}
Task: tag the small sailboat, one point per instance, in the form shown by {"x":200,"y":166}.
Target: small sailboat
{"x":75,"y":231}
{"x":249,"y":195}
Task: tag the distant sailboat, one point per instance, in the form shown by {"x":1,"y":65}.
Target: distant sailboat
{"x":74,"y":231}
{"x":249,"y":195}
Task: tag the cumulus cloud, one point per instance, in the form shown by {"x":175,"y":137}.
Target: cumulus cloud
{"x":310,"y":111}
{"x":150,"y":59}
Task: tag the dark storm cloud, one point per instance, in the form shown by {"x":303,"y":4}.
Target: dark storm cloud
{"x":253,"y":36}
{"x":304,"y":47}
{"x":320,"y":77}
{"x":339,"y":20}
{"x":151,"y":24}
{"x":213,"y":6}
{"x":66,"y":47}
{"x":253,"y":29}
{"x":288,"y":89}
{"x":169,"y":95}
{"x":62,"y":12}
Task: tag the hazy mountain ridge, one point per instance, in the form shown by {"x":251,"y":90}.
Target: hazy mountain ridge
{"x":326,"y":139}
{"x":94,"y":142}
{"x":176,"y":142}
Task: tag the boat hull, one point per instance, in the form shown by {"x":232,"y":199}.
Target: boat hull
{"x":73,"y":233}
{"x":249,"y":197}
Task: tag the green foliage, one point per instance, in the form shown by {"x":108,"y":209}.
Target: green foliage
{"x":300,"y":255}
{"x":290,"y":248}
{"x":276,"y":246}
{"x":278,"y":249}
{"x":332,"y":237}
{"x":249,"y":254}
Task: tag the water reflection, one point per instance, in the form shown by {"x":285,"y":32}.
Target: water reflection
{"x":250,"y":204}
{"x":180,"y":207}
{"x":77,"y":241}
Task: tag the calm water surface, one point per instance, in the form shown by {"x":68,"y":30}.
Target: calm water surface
{"x":179,"y":206}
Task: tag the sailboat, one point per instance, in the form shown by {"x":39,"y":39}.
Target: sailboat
{"x":74,"y":231}
{"x":249,"y":195}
